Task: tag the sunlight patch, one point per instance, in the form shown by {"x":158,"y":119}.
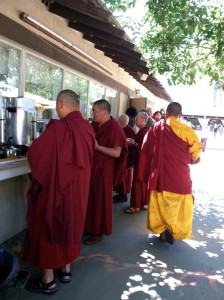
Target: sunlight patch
{"x":195,"y":244}
{"x":156,"y":274}
{"x":145,"y":254}
{"x":136,"y":278}
{"x":172,"y":282}
{"x":212,"y":254}
{"x":219,"y":278}
{"x":178,"y":271}
{"x":200,"y":232}
{"x":147,"y":289}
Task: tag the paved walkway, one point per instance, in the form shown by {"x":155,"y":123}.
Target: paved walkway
{"x":132,"y":264}
{"x":215,"y":142}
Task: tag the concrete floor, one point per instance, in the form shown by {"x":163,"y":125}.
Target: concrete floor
{"x":132,"y":264}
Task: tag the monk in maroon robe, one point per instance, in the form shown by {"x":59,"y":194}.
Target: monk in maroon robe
{"x":109,"y":164}
{"x":60,"y":161}
{"x":168,"y":149}
{"x":139,"y":198}
{"x":125,"y":186}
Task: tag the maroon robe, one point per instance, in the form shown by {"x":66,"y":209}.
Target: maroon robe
{"x":60,"y":161}
{"x":165,"y":160}
{"x":125,"y":186}
{"x":107,"y":172}
{"x":139,"y":189}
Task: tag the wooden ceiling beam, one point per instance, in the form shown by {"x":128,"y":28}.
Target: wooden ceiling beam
{"x":100,"y":34}
{"x":130,"y":63}
{"x":103,"y":43}
{"x":130,"y":67}
{"x":85,"y":7}
{"x":76,"y":16}
{"x":125,"y":57}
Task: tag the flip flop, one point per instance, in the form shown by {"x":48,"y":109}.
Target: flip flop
{"x":38,"y":286}
{"x":132,"y":210}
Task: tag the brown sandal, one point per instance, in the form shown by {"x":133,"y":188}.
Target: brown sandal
{"x":132,"y":210}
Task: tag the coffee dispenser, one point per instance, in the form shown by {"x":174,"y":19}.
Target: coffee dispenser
{"x":20,"y":129}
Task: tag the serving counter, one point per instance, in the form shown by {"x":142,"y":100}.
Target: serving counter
{"x":14,"y":182}
{"x":13,"y":167}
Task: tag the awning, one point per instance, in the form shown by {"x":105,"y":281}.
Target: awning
{"x":99,"y":26}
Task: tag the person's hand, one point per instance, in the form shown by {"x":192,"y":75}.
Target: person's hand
{"x":194,"y":162}
{"x":96,"y":145}
{"x":130,"y":141}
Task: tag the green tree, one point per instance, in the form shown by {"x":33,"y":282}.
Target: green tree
{"x":181,"y":39}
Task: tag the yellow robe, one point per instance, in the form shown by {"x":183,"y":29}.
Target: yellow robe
{"x":169,"y":210}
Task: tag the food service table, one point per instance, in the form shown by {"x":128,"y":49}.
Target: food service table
{"x":14,"y":182}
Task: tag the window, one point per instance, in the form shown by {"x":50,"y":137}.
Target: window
{"x":43,"y":82}
{"x":9,"y":70}
{"x":80,"y":86}
{"x":96,"y":92}
{"x":111,"y":97}
{"x":42,"y":79}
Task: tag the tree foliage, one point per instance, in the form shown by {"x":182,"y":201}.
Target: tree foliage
{"x":181,"y":39}
{"x":120,"y":5}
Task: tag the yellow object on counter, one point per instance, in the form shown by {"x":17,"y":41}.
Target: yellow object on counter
{"x":12,"y":158}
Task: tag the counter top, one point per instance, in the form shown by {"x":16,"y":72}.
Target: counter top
{"x":13,"y":167}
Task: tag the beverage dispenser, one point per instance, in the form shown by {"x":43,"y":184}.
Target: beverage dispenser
{"x":20,"y":114}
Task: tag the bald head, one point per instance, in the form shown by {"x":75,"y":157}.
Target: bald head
{"x":69,"y":97}
{"x":66,"y":102}
{"x":103,"y":104}
{"x":123,"y":120}
{"x":174,"y":109}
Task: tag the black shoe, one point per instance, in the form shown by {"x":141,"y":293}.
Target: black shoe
{"x":169,"y":237}
{"x":120,"y":198}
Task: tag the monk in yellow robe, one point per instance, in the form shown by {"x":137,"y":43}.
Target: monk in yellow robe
{"x":168,"y":149}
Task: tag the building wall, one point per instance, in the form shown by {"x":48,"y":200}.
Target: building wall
{"x":123,"y":104}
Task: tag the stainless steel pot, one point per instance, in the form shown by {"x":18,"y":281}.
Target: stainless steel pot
{"x":8,"y":152}
{"x":12,"y":152}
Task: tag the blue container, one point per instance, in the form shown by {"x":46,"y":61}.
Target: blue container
{"x":12,"y":280}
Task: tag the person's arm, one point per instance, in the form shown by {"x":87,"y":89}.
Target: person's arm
{"x":187,"y":134}
{"x":195,"y":146}
{"x":131,"y":142}
{"x":114,"y":151}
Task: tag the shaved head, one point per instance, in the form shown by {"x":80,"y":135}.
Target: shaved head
{"x":69,"y":97}
{"x":103,"y":105}
{"x":174,"y":109}
{"x":123,"y":120}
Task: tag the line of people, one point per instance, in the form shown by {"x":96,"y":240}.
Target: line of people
{"x":76,"y":165}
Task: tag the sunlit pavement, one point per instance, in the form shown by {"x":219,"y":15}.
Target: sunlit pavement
{"x":133,"y":264}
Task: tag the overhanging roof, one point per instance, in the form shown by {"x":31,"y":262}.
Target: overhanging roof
{"x":98,"y":25}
